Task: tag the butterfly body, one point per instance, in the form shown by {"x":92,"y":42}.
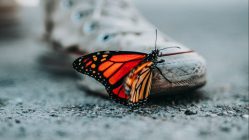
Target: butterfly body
{"x":127,"y":76}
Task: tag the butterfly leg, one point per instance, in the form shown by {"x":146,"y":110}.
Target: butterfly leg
{"x":162,"y":74}
{"x":161,"y":61}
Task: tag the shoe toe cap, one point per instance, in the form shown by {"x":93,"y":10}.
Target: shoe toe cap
{"x":183,"y":71}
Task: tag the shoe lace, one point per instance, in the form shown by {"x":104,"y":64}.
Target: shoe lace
{"x":113,"y":16}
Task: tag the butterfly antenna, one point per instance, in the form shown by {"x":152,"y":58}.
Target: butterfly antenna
{"x":156,"y":40}
{"x":170,"y":48}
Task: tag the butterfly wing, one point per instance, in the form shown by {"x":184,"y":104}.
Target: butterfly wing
{"x":138,"y":83}
{"x":110,"y":68}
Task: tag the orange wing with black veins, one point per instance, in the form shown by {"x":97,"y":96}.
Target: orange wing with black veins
{"x":138,"y":83}
{"x":110,"y":68}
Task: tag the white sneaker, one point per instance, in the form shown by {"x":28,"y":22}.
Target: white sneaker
{"x":95,"y":25}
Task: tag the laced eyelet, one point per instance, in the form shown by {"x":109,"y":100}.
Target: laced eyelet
{"x":78,"y":16}
{"x":104,"y":37}
{"x":90,"y":27}
{"x":67,"y":4}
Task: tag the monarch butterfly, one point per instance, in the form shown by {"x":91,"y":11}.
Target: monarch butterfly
{"x":126,"y":75}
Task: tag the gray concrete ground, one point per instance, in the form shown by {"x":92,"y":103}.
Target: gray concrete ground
{"x":39,"y":100}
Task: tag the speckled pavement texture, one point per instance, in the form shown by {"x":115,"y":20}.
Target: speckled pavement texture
{"x":40,"y":100}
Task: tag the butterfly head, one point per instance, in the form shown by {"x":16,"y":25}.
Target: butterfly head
{"x":155,"y":54}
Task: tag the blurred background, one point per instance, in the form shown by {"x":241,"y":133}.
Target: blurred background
{"x":33,"y":100}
